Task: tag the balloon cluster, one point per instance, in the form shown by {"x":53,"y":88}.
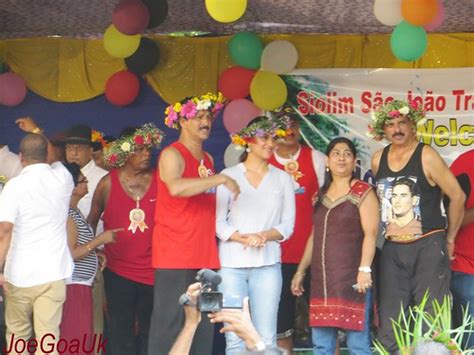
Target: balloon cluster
{"x":256,"y":73}
{"x":412,"y":19}
{"x":12,"y":89}
{"x":122,"y":40}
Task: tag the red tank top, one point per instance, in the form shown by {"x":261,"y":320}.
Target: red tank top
{"x":292,"y":250}
{"x":130,"y":255}
{"x":185,"y":227}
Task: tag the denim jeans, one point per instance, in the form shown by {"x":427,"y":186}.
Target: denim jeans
{"x":263,"y":287}
{"x":462,"y":288}
{"x":358,"y":342}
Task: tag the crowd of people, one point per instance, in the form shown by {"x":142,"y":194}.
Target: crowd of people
{"x":81,"y":237}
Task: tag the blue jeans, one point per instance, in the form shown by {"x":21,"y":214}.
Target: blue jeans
{"x":358,"y":342}
{"x":462,"y":288}
{"x":263,"y":287}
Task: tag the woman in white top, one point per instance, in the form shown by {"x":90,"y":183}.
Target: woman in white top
{"x":252,"y":225}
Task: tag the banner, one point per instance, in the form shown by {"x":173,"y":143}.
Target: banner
{"x":338,"y":102}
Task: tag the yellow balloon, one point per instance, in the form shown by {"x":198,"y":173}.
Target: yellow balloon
{"x":119,"y":45}
{"x":226,"y":10}
{"x":268,"y":90}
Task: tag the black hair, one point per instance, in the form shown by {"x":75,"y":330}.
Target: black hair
{"x":34,"y":148}
{"x":328,"y":175}
{"x":128,"y":131}
{"x":257,"y":119}
{"x":75,"y":171}
{"x":407,"y":182}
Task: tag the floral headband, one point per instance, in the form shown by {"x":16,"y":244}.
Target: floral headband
{"x":393,"y":109}
{"x":190,"y":106}
{"x":147,"y":136}
{"x":278,"y":127}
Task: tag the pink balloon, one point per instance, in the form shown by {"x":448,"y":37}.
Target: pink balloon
{"x":238,"y":113}
{"x":131,"y":17}
{"x":12,"y":89}
{"x":438,"y":19}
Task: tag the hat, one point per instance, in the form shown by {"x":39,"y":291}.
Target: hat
{"x":78,"y":134}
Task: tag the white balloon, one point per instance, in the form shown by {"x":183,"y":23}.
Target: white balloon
{"x":232,"y":155}
{"x":279,"y":57}
{"x":388,"y":12}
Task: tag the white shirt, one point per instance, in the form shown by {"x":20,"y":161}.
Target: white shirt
{"x":271,"y":205}
{"x":10,"y":164}
{"x":319,"y":163}
{"x":36,"y":202}
{"x":93,"y":173}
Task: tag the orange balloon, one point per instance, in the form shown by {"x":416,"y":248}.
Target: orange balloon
{"x":419,"y":12}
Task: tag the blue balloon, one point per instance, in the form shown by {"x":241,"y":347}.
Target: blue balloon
{"x":408,"y":42}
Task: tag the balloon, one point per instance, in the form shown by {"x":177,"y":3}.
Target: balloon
{"x":388,"y":12}
{"x":408,"y":42}
{"x":232,"y":155}
{"x":12,"y":89}
{"x":268,"y":90}
{"x":419,"y":12}
{"x":438,"y":19}
{"x":145,"y":58}
{"x":119,"y":45}
{"x":238,"y":113}
{"x":279,"y":57}
{"x":131,"y":17}
{"x":122,"y":88}
{"x":245,"y":49}
{"x":226,"y":10}
{"x":158,"y":11}
{"x":234,"y":83}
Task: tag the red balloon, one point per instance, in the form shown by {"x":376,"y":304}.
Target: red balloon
{"x":12,"y":89}
{"x":131,"y":17}
{"x":234,"y":83}
{"x":122,"y":88}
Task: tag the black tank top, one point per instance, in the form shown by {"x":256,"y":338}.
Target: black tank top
{"x":410,"y":206}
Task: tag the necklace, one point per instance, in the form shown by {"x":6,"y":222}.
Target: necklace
{"x":203,"y":171}
{"x":136,"y":215}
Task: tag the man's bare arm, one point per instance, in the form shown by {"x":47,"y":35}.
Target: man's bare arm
{"x":437,"y":171}
{"x":101,"y":195}
{"x":171,"y":167}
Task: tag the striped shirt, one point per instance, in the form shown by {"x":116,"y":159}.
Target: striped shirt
{"x":85,"y":268}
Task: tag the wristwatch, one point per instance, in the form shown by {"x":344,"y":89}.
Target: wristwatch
{"x":365,"y":269}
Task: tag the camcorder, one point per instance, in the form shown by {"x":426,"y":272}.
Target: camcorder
{"x":208,"y":300}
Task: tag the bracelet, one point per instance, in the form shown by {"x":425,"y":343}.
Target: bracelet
{"x":300,"y":273}
{"x":37,"y":130}
{"x":89,"y":249}
{"x":259,"y":346}
{"x":365,"y":269}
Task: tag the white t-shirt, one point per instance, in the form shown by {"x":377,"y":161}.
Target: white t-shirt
{"x":10,"y":164}
{"x":36,"y":202}
{"x":271,"y":205}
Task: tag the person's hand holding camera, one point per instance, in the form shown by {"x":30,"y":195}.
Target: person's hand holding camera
{"x":192,"y":314}
{"x":239,"y":322}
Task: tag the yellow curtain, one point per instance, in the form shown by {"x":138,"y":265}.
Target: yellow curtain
{"x":71,"y":70}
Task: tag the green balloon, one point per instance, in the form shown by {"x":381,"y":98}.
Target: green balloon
{"x":245,"y":49}
{"x":408,"y":42}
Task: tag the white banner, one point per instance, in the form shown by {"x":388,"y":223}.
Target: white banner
{"x":338,"y":102}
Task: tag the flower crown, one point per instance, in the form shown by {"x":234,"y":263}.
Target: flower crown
{"x":98,"y":137}
{"x":189,"y":107}
{"x":393,"y":109}
{"x":147,"y":136}
{"x":278,"y":127}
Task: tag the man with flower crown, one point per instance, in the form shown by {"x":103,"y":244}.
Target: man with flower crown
{"x":413,"y":261}
{"x":184,"y":235}
{"x":125,"y":198}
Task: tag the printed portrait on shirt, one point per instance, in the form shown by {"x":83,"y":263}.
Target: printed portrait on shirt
{"x":400,"y":200}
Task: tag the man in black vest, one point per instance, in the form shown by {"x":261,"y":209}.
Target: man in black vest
{"x":413,"y":260}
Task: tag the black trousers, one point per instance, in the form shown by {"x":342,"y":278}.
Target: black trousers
{"x":407,"y":271}
{"x":168,"y":315}
{"x":128,"y":303}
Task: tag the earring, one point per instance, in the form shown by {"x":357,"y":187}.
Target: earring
{"x":327,"y":169}
{"x":247,"y":150}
